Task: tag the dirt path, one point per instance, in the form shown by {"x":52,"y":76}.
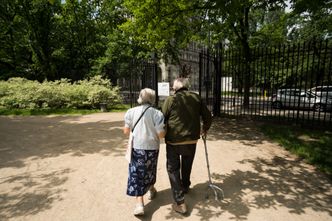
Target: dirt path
{"x":72,"y":168}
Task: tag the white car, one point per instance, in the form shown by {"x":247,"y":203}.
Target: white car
{"x":322,"y":91}
{"x":300,"y":99}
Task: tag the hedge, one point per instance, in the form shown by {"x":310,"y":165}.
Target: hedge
{"x":87,"y":94}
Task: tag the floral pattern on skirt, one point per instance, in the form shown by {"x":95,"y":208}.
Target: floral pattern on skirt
{"x":142,"y":171}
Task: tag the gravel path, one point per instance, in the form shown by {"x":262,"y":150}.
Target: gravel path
{"x":73,"y":168}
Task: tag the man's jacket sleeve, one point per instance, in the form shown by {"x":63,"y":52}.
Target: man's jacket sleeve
{"x":206,"y":117}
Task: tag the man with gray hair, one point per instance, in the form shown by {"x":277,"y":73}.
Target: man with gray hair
{"x":183,"y":112}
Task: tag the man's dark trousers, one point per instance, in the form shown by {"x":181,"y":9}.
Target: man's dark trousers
{"x":179,"y":163}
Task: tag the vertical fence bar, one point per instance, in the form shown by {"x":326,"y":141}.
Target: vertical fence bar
{"x":319,"y":81}
{"x":307,"y":77}
{"x":273,"y":91}
{"x":312,"y":73}
{"x":286,"y":79}
{"x":131,"y":89}
{"x":323,"y":70}
{"x":222,"y":77}
{"x":285,"y":71}
{"x":217,"y":91}
{"x":269,"y":83}
{"x":252,"y":101}
{"x":242,"y":77}
{"x":278,"y":75}
{"x":329,"y":76}
{"x":200,"y":73}
{"x":274,"y":81}
{"x":303,"y":84}
{"x":155,"y":67}
{"x":236,"y":76}
{"x":266,"y":52}
{"x":294,"y":85}
{"x":206,"y":80}
{"x":260,"y":82}
{"x":230,"y":73}
{"x":298,"y":84}
{"x":232,"y":68}
{"x":256,"y":78}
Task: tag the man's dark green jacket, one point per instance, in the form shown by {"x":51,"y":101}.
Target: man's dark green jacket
{"x":183,"y":112}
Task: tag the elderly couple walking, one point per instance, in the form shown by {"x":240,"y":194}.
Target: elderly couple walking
{"x":180,"y":123}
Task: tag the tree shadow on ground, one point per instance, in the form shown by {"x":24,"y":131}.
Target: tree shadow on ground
{"x":273,"y":183}
{"x":31,"y":192}
{"x":195,"y":200}
{"x":27,"y":139}
{"x":230,"y":129}
{"x":276,"y":183}
{"x":42,"y":137}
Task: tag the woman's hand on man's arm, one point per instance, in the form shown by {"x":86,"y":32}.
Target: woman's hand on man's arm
{"x":126,"y":131}
{"x":161,"y":134}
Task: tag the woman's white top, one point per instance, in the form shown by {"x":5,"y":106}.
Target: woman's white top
{"x":146,"y":132}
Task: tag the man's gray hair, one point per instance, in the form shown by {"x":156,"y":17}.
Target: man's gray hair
{"x":180,"y":83}
{"x":146,"y":96}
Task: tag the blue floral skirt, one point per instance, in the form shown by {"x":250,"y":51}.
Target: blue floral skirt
{"x":142,"y":171}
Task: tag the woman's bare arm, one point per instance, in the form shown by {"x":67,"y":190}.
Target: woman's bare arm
{"x":126,"y":131}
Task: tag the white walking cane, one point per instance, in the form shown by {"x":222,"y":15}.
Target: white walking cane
{"x":218,"y":192}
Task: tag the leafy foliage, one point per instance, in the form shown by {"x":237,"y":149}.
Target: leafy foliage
{"x":23,"y":93}
{"x":310,"y":19}
{"x":76,"y":39}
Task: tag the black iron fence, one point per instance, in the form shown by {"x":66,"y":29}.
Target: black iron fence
{"x":291,"y":82}
{"x":285,"y":82}
{"x":136,"y":75}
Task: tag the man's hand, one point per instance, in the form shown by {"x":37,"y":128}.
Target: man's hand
{"x":203,"y":134}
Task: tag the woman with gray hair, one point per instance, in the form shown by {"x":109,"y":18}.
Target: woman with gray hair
{"x":147,"y":126}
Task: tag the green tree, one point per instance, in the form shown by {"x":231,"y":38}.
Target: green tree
{"x":53,"y":39}
{"x":26,"y":30}
{"x":80,"y":38}
{"x":310,"y":19}
{"x":38,"y":16}
{"x":167,"y":25}
{"x":164,"y":26}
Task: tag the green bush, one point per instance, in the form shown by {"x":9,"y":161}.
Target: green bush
{"x":25,"y":94}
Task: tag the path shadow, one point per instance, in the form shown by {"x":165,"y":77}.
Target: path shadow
{"x":31,"y":192}
{"x":163,"y":198}
{"x":42,"y":137}
{"x":270,"y":184}
{"x":230,"y":129}
{"x":276,"y":183}
{"x":27,"y":139}
{"x":196,"y":199}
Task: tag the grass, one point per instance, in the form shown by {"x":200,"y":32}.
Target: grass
{"x":315,"y":146}
{"x":120,"y":108}
{"x":67,"y":111}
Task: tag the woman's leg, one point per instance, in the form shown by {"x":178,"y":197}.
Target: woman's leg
{"x":139,"y":200}
{"x":139,"y":209}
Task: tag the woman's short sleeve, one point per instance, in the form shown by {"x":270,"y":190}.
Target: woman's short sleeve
{"x":128,"y":119}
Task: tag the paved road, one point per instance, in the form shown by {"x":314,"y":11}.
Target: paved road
{"x":73,"y":168}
